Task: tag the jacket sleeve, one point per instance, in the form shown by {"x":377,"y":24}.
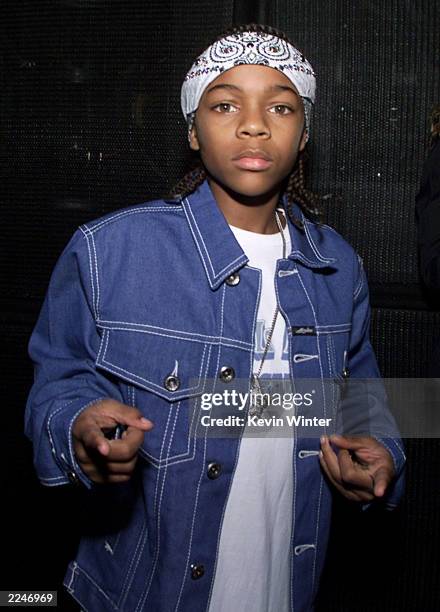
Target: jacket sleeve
{"x":374,"y":416}
{"x":63,"y":347}
{"x":428,"y":218}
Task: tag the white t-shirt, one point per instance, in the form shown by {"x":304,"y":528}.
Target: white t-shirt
{"x":253,"y":565}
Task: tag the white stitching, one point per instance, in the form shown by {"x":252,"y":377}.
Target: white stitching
{"x":143,"y":598}
{"x":332,"y":371}
{"x":128,"y":212}
{"x":96,"y":275}
{"x":90,"y":579}
{"x":159,"y":389}
{"x":159,"y":463}
{"x":74,"y":566}
{"x":321,"y":332}
{"x":104,"y":340}
{"x":230,"y":265}
{"x":331,"y":355}
{"x":55,"y":412}
{"x":334,"y":325}
{"x":189,"y":213}
{"x":157,"y":511}
{"x":317,"y":531}
{"x":157,"y":517}
{"x":195,"y":508}
{"x":151,"y":329}
{"x":92,"y":283}
{"x":128,"y":579}
{"x":360,"y":284}
{"x":294,"y":444}
{"x":214,"y":341}
{"x":236,"y":457}
{"x":63,"y":480}
{"x":195,"y":240}
{"x":299,"y":255}
{"x":169,"y":459}
{"x":314,"y":247}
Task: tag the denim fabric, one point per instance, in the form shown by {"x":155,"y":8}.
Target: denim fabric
{"x":137,"y":294}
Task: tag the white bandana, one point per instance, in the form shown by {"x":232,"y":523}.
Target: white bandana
{"x":248,"y":48}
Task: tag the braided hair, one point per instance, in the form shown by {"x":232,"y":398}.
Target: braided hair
{"x":435,"y":125}
{"x":294,"y":185}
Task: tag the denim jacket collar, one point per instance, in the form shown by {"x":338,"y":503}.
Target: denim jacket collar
{"x":218,"y":248}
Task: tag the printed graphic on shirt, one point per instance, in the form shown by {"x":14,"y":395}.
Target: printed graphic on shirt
{"x":277,"y":356}
{"x":261,"y":334}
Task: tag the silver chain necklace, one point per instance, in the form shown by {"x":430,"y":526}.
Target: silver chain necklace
{"x":257,"y":409}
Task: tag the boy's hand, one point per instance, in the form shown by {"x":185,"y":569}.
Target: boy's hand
{"x":361,"y":470}
{"x":104,"y":460}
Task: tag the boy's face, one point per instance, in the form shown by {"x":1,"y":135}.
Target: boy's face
{"x":255,"y":108}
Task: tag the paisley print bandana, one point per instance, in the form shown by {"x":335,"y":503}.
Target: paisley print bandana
{"x":248,"y":48}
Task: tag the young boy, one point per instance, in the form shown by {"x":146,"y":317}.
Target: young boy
{"x":155,"y":305}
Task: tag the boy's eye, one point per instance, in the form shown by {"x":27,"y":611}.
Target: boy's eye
{"x":281,"y":109}
{"x":227,"y":107}
{"x":224,"y":107}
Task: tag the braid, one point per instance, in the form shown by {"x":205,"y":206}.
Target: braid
{"x":190,"y":181}
{"x":295,"y":190}
{"x":435,"y":124}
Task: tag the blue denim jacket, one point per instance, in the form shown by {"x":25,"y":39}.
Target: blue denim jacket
{"x":134,"y":293}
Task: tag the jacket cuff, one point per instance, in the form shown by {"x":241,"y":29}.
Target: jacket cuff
{"x":396,"y":488}
{"x":59,"y":429}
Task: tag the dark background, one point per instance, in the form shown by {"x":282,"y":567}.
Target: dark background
{"x":90,"y":121}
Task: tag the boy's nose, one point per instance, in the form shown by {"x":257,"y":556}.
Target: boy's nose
{"x":253,"y":124}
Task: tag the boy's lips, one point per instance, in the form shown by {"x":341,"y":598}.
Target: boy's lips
{"x":252,"y":163}
{"x":253,"y":159}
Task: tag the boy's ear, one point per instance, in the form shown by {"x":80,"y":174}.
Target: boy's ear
{"x":193,"y":140}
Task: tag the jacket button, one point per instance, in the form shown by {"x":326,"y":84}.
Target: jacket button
{"x":233,"y":279}
{"x":172,"y":383}
{"x":214,"y":470}
{"x":197,"y":570}
{"x":345,"y":373}
{"x":227,"y":373}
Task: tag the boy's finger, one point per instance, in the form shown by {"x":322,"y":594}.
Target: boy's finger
{"x":110,"y":418}
{"x":121,"y":467}
{"x":93,"y":438}
{"x":135,"y":420}
{"x":382,"y":479}
{"x":348,"y":442}
{"x":348,"y":494}
{"x":109,"y":412}
{"x":331,"y":459}
{"x":352,"y":474}
{"x":126,"y":448}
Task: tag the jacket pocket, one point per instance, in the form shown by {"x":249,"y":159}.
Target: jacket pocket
{"x":167,"y":374}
